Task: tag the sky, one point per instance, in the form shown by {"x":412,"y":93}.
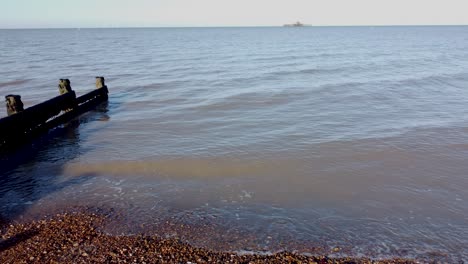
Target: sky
{"x":196,"y":13}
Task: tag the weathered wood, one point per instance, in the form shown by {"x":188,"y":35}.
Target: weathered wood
{"x":64,"y":86}
{"x":16,"y":125}
{"x":41,"y":117}
{"x":13,"y":104}
{"x":100,"y":94}
{"x":100,"y":82}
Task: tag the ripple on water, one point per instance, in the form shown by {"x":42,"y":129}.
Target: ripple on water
{"x":309,"y":139}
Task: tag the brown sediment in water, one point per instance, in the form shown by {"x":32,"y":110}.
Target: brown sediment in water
{"x":76,"y":238}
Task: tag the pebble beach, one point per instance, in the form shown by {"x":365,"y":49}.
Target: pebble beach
{"x":75,"y":237}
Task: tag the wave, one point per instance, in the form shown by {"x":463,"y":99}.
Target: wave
{"x":301,"y":56}
{"x":310,"y":71}
{"x":14,"y":83}
{"x":406,"y":83}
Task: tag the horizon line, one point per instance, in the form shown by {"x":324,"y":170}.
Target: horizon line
{"x":305,"y":25}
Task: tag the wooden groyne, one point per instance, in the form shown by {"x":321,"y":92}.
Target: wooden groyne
{"x":23,"y":123}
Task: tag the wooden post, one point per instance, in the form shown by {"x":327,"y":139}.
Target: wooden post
{"x":64,"y":86}
{"x":13,"y":104}
{"x":100,"y":82}
{"x":101,"y":85}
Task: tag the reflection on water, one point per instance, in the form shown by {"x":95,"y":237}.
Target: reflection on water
{"x":32,"y":171}
{"x":23,"y":182}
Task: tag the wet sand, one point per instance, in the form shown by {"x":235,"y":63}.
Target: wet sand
{"x":76,"y":237}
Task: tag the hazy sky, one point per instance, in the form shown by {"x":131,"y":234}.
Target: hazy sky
{"x":142,"y":13}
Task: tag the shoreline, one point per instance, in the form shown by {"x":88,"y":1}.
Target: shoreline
{"x":75,"y":237}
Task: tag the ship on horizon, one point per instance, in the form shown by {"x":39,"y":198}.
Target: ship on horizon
{"x":297,"y":24}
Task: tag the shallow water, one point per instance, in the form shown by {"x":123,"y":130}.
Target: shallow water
{"x":353,"y":137}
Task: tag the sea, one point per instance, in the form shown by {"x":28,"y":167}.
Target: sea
{"x":344,"y":141}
